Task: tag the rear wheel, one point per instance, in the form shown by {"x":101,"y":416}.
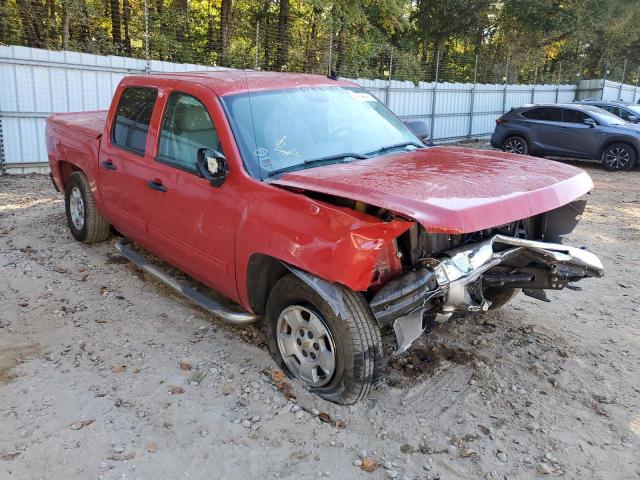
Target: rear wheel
{"x":86,"y":223}
{"x":338,"y":358}
{"x":515,"y":144}
{"x":619,"y":157}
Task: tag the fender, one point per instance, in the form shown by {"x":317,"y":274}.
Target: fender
{"x":335,"y":244}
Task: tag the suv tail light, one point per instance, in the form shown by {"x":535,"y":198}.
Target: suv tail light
{"x":500,"y":121}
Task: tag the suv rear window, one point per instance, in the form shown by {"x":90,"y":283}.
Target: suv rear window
{"x":548,"y":114}
{"x":133,"y":116}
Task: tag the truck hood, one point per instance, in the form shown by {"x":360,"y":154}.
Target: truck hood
{"x":450,"y":189}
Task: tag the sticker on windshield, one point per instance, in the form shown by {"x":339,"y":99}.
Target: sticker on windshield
{"x":265,"y":162}
{"x":362,"y":96}
{"x":260,"y":152}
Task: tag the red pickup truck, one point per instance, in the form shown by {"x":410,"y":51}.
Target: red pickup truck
{"x":307,"y":202}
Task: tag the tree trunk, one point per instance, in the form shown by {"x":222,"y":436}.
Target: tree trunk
{"x":312,"y":46}
{"x":282,"y":55}
{"x":66,"y":20}
{"x":116,"y":29}
{"x":51,"y":39}
{"x":126,"y":19}
{"x":159,"y":6}
{"x":181,"y":20}
{"x":224,"y":32}
{"x":31,"y":13}
{"x":341,"y":47}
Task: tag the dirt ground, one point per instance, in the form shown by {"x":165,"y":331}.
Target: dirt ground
{"x":106,"y":374}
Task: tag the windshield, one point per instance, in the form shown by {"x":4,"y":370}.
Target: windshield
{"x":635,"y":109}
{"x":282,"y":130}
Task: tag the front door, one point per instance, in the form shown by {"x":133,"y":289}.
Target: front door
{"x":190,"y":223}
{"x":581,"y":140}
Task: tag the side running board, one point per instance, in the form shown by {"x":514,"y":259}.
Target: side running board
{"x":208,"y":303}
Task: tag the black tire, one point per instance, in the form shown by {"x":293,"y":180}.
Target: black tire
{"x":500,"y":296}
{"x":358,"y":346}
{"x":86,"y":223}
{"x":516,"y":144}
{"x":619,"y":157}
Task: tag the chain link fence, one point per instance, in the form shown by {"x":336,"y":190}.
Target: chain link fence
{"x":274,"y":36}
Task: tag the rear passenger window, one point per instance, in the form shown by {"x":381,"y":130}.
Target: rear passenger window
{"x":133,"y":116}
{"x":546,"y":114}
{"x":186,"y":128}
{"x":573,"y":116}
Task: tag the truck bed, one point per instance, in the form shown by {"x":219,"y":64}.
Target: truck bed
{"x":86,"y":123}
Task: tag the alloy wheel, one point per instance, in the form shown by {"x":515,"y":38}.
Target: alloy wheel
{"x":514,"y":145}
{"x":617,"y":158}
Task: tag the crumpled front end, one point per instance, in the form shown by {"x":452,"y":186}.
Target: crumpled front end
{"x":458,"y":279}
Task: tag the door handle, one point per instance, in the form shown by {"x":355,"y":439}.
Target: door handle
{"x":156,"y":185}
{"x":109,"y":165}
{"x":565,"y":129}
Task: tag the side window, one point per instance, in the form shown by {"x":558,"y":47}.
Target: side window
{"x":610,"y":109}
{"x":626,"y":114}
{"x":573,"y":116}
{"x":131,"y":125}
{"x":548,"y":114}
{"x":186,"y":128}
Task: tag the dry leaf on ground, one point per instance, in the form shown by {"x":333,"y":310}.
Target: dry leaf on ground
{"x":82,"y":423}
{"x":369,"y":464}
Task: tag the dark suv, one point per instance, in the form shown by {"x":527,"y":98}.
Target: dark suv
{"x":629,"y":112}
{"x":572,"y":130}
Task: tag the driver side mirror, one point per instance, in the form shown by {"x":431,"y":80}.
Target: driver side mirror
{"x":590,"y":121}
{"x":212,"y":165}
{"x":419,"y":129}
{"x":633,"y":119}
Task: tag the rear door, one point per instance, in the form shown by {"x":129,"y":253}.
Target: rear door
{"x":123,"y":160}
{"x":190,"y":223}
{"x":545,"y":123}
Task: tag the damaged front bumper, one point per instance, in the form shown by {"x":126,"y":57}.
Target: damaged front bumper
{"x":457,"y":281}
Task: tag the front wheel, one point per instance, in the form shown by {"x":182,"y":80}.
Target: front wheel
{"x":516,"y":144}
{"x":618,"y":157}
{"x":337,"y":357}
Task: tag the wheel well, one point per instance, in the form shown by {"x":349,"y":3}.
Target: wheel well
{"x":624,"y":142}
{"x":66,"y":169}
{"x":263,"y":272}
{"x":516,"y":134}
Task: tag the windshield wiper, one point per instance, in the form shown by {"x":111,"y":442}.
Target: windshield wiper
{"x":313,"y":161}
{"x":382,"y":150}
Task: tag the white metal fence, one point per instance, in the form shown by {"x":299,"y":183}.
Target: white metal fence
{"x":456,"y":111}
{"x":35,"y":83}
{"x":600,"y":89}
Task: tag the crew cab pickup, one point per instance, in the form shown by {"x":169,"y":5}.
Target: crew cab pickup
{"x":307,"y":202}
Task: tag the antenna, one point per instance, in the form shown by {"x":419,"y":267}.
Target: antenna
{"x":253,"y":123}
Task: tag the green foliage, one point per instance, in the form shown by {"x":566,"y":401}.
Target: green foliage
{"x":542,"y":40}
